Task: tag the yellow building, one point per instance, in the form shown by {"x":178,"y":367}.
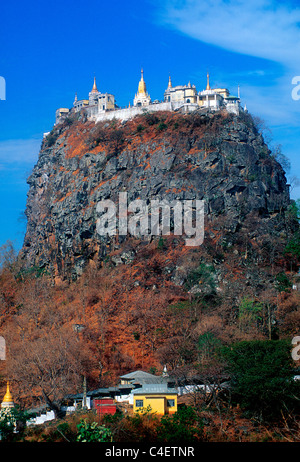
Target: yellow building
{"x":159,"y":397}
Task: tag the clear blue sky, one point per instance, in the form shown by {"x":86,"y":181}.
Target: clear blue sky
{"x":50,"y":50}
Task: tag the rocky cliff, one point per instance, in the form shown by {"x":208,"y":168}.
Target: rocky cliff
{"x":219,"y":158}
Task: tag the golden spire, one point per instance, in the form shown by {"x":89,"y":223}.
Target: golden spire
{"x":208,"y":86}
{"x":8,"y":399}
{"x":170,"y":83}
{"x":142,"y":86}
{"x":94,"y":89}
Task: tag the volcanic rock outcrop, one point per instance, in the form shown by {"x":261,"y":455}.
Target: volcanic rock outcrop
{"x":219,"y":158}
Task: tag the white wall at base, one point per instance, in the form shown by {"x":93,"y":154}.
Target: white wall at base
{"x":50,"y":415}
{"x":130,"y":112}
{"x":125,"y":398}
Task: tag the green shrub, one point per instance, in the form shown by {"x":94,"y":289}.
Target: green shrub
{"x":161,"y":245}
{"x":283,"y":282}
{"x":202,"y":275}
{"x":12,"y":423}
{"x":93,"y":432}
{"x":162,"y":126}
{"x":64,"y":430}
{"x":262,"y":377}
{"x":249,"y":314}
{"x":140,"y":128}
{"x":151,"y":118}
{"x":51,"y":139}
{"x":293,"y":246}
{"x":184,"y":425}
{"x":208,"y":345}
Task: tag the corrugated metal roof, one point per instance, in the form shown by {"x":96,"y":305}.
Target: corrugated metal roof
{"x":102,"y":391}
{"x":155,"y":389}
{"x":136,"y":374}
{"x":136,"y":377}
{"x":144,"y":377}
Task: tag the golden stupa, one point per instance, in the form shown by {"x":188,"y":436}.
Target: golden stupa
{"x":94,"y":89}
{"x":208,"y":85}
{"x":8,"y":399}
{"x":142,"y":85}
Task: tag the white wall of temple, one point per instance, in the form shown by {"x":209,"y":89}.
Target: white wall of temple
{"x":128,"y":113}
{"x":233,"y":107}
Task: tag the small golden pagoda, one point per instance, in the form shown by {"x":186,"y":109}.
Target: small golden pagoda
{"x":208,"y":85}
{"x":142,"y":98}
{"x":8,"y":399}
{"x":142,"y":85}
{"x":95,"y":89}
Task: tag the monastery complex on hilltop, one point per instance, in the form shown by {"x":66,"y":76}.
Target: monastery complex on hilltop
{"x":102,"y":106}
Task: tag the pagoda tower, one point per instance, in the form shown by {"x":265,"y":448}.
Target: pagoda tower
{"x":208,"y":84}
{"x":8,"y":399}
{"x":94,"y":94}
{"x":142,"y":98}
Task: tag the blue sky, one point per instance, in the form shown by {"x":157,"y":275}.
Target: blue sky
{"x":51,"y":50}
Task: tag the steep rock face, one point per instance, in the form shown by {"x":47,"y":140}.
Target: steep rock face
{"x":218,"y":158}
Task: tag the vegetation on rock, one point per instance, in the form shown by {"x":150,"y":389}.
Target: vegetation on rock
{"x":74,"y":306}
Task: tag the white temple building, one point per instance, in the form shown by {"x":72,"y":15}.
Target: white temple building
{"x":102,"y":106}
